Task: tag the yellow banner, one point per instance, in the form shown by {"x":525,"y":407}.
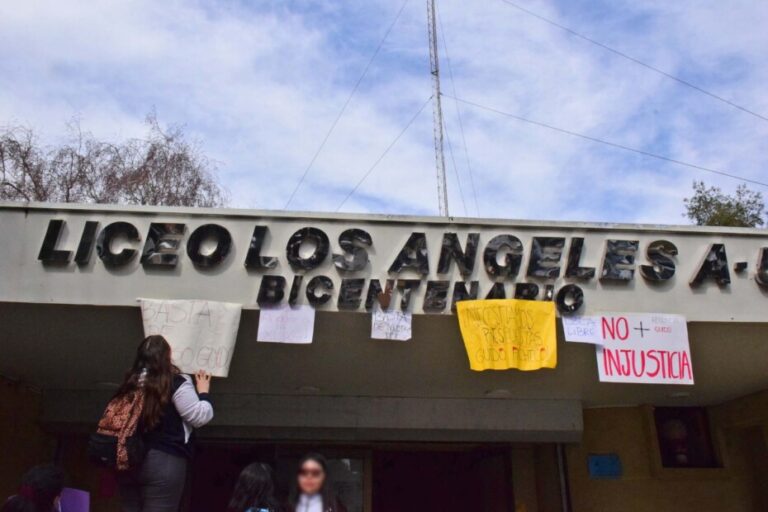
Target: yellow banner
{"x":506,"y":333}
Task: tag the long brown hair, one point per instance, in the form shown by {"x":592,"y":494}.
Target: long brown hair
{"x":331,"y":502}
{"x":154,"y":356}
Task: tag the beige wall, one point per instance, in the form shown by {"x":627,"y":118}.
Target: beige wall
{"x":739,"y":429}
{"x":23,"y":443}
{"x":30,"y":281}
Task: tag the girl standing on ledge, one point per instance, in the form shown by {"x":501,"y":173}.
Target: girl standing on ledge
{"x":173,"y":407}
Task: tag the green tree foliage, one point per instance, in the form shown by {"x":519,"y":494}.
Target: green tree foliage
{"x":711,"y":207}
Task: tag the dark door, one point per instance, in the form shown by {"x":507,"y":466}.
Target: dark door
{"x":476,"y":480}
{"x":217,"y":466}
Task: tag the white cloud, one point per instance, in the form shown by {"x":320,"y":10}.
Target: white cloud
{"x":259,"y":84}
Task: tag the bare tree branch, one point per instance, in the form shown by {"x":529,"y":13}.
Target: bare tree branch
{"x":162,"y":168}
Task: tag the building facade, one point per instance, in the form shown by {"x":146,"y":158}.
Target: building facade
{"x":399,"y":418}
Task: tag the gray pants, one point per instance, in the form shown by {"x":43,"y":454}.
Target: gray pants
{"x":156,"y":487}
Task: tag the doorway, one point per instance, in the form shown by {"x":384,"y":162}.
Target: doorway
{"x":367,"y":477}
{"x":445,"y":479}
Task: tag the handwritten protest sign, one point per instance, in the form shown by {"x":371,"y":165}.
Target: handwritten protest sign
{"x":201,"y":333}
{"x":582,"y":329}
{"x":286,"y":324}
{"x":391,"y":325}
{"x":637,"y":347}
{"x":508,"y":333}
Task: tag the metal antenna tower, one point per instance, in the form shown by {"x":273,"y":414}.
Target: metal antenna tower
{"x":437,"y":110}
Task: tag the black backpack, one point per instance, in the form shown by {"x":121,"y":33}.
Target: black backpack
{"x":118,"y":443}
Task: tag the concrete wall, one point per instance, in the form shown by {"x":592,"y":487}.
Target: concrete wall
{"x":23,"y":443}
{"x":739,"y":430}
{"x":93,"y":283}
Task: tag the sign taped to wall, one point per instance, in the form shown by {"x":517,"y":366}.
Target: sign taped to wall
{"x":647,"y":348}
{"x":286,"y":324}
{"x":507,"y":333}
{"x":391,"y":325}
{"x":201,"y":333}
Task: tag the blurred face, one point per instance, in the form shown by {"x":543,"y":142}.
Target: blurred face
{"x":311,"y":477}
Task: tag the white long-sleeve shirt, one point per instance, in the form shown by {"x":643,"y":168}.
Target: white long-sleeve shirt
{"x":310,"y":503}
{"x":194,"y":409}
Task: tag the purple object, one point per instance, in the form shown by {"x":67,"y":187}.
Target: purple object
{"x":75,"y":500}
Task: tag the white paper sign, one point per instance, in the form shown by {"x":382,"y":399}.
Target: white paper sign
{"x":201,"y":333}
{"x":644,"y":348}
{"x":390,"y":325}
{"x":285,"y":324}
{"x":582,"y":329}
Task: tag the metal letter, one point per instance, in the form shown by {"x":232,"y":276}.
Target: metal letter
{"x":526,"y":291}
{"x":356,"y":257}
{"x":545,"y":257}
{"x":351,"y":293}
{"x":413,"y":256}
{"x":293,"y":249}
{"x":660,"y":253}
{"x":497,"y":291}
{"x":293,"y":295}
{"x":460,"y":292}
{"x":87,"y":240}
{"x":436,"y":297}
{"x":512,"y":258}
{"x":569,"y":299}
{"x":406,"y":286}
{"x":714,"y":265}
{"x":619,"y":260}
{"x":108,"y":235}
{"x":271,"y":290}
{"x":198,"y":236}
{"x":451,"y":250}
{"x":48,"y":252}
{"x":761,"y":276}
{"x":572,"y":268}
{"x":253,"y":259}
{"x":375,"y":293}
{"x":312,"y":286}
{"x":163,"y":241}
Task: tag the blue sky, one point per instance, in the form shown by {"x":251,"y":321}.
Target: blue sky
{"x":259,"y":83}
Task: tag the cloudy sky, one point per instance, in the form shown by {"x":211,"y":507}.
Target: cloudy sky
{"x":259,"y":83}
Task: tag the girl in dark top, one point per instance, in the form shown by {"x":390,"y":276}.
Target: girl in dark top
{"x":254,"y":490}
{"x":172,"y":408}
{"x":312,"y":491}
{"x":40,"y":491}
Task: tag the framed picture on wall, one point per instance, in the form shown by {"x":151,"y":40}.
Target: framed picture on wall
{"x":684,"y":437}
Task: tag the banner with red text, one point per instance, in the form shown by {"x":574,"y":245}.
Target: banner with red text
{"x":646,"y":348}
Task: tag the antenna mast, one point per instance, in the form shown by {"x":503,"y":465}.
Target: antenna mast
{"x":437,"y":110}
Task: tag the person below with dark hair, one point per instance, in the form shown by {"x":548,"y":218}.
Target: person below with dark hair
{"x":40,"y":491}
{"x":312,"y":491}
{"x":172,"y":409}
{"x":254,"y":490}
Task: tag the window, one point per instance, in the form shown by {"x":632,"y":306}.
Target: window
{"x":684,"y":437}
